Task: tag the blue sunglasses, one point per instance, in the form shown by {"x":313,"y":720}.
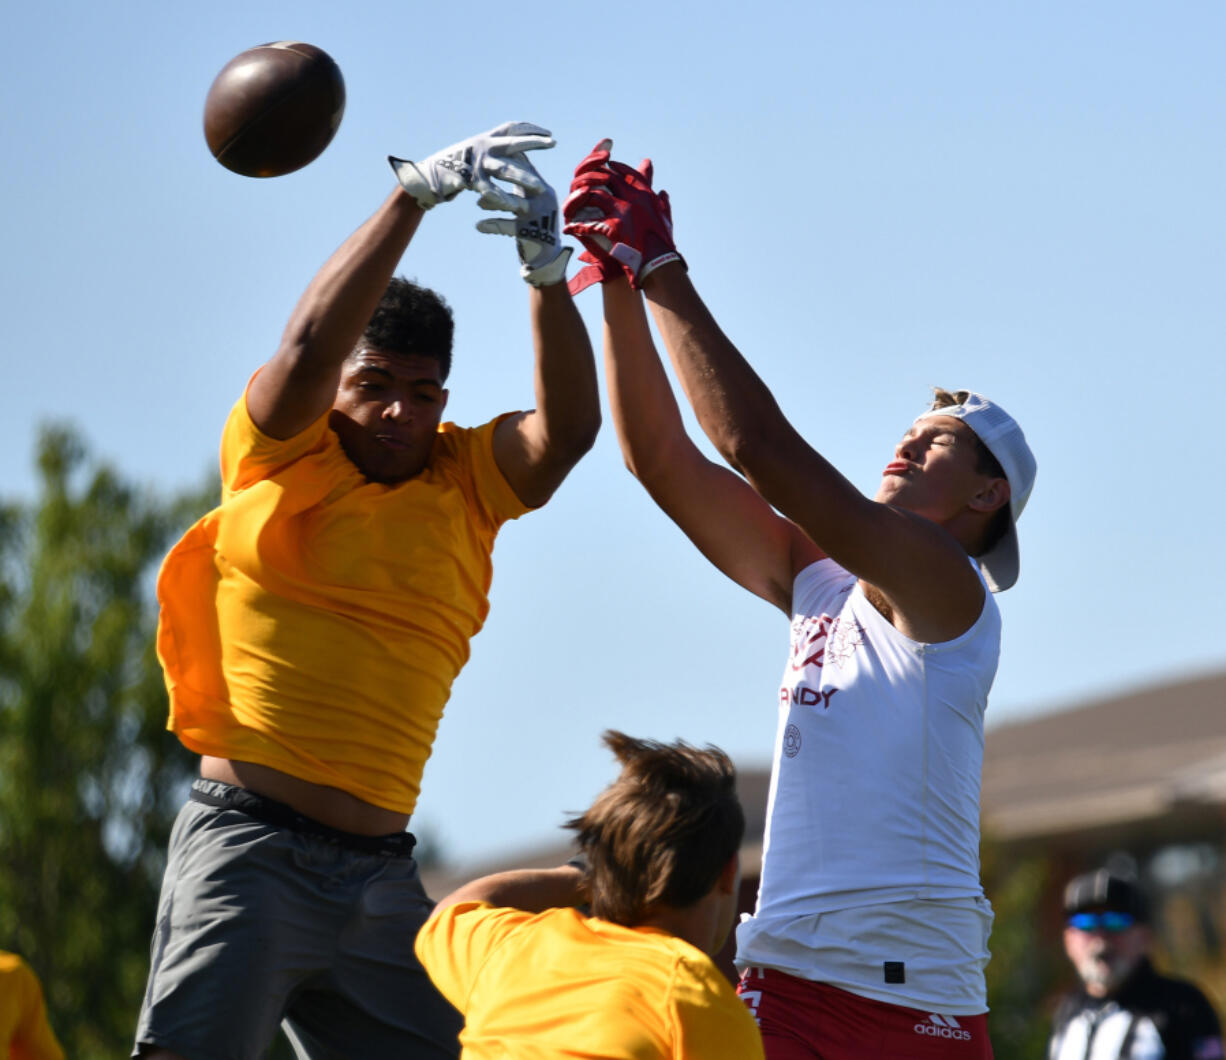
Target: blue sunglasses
{"x":1108,"y":921}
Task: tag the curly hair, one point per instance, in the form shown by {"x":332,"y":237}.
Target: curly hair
{"x":411,"y":319}
{"x":662,"y":832}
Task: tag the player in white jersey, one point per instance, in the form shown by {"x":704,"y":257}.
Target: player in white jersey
{"x":870,"y":934}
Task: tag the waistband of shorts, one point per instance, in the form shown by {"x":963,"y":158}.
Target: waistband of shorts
{"x":270,"y":811}
{"x":801,"y":992}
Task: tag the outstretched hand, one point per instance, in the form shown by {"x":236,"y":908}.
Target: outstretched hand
{"x":542,"y":257}
{"x":622,"y":222}
{"x":474,"y":164}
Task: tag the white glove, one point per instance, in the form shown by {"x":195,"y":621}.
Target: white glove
{"x":472,"y":163}
{"x":535,"y":228}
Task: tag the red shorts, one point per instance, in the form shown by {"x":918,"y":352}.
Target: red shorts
{"x":802,"y":1020}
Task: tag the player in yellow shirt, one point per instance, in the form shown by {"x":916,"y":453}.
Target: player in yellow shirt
{"x":25,"y":1033}
{"x":535,"y":977}
{"x":313,"y":623}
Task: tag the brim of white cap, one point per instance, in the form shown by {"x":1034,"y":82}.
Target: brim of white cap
{"x":1001,"y":433}
{"x":1001,"y":563}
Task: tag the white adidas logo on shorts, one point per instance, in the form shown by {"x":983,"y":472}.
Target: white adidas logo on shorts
{"x":943,"y":1027}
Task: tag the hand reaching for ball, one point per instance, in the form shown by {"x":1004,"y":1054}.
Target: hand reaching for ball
{"x":474,"y":164}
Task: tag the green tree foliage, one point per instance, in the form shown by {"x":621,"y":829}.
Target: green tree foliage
{"x":89,"y":778}
{"x":1025,"y":961}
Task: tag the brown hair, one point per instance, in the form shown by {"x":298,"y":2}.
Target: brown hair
{"x":662,"y":832}
{"x":985,"y":464}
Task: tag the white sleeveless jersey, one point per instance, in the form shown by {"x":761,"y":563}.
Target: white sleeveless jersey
{"x":870,"y":874}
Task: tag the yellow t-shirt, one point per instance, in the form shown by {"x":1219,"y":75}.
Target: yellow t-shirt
{"x":315,"y":622}
{"x":25,"y":1033}
{"x":558,"y":984}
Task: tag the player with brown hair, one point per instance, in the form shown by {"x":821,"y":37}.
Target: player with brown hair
{"x":536,"y":977}
{"x":312,"y":626}
{"x":870,"y":933}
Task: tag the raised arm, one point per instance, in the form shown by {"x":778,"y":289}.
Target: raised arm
{"x":533,"y":890}
{"x":729,"y":523}
{"x":536,"y":450}
{"x":298,"y":384}
{"x":921,"y":569}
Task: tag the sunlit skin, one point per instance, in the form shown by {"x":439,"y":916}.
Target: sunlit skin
{"x":1104,"y":959}
{"x":934,"y":470}
{"x":708,"y":922}
{"x":387,"y":411}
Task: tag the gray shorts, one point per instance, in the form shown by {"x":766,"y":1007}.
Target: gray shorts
{"x":266,"y":916}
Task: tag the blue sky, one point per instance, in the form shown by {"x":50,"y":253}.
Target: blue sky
{"x":874,"y":198}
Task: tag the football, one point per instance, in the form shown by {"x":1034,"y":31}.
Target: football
{"x":274,"y":108}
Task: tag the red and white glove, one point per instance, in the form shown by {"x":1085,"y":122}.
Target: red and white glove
{"x":620,"y":220}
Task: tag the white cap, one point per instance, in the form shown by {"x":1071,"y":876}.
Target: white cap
{"x":1005,"y":441}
